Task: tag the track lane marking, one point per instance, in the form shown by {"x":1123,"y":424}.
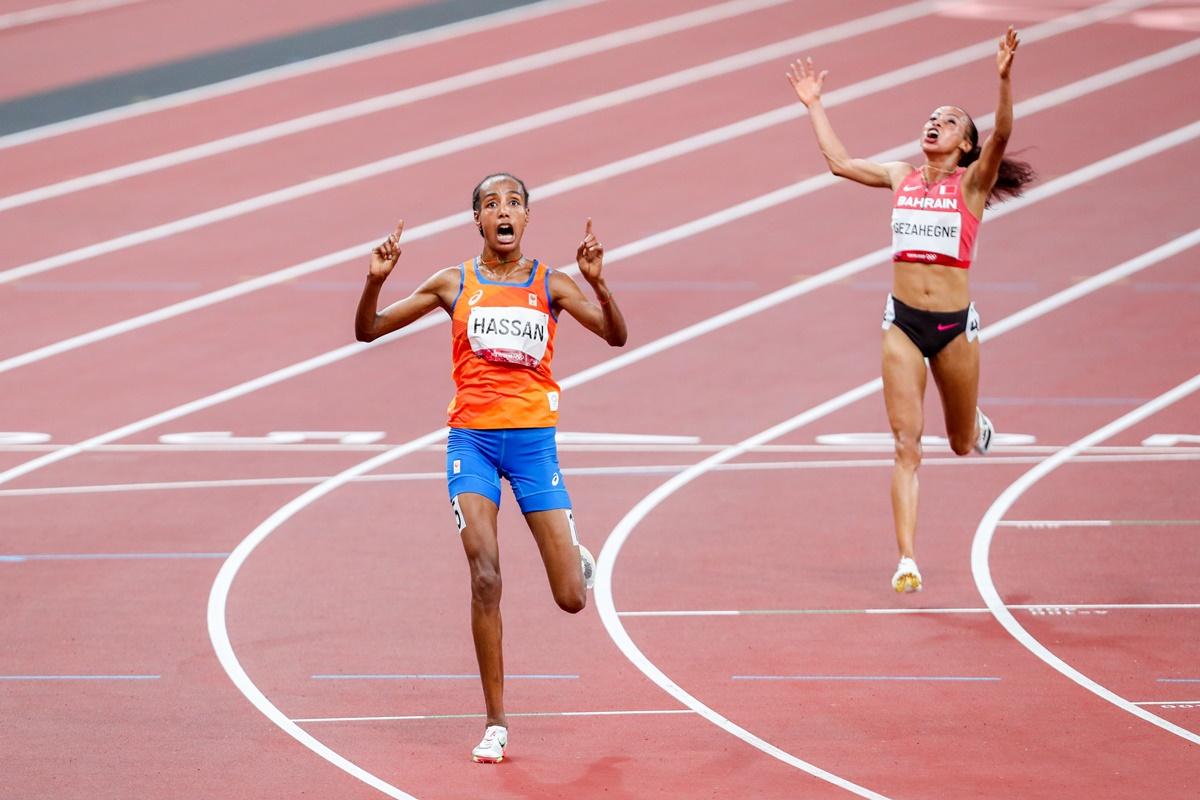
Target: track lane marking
{"x":307,"y":66}
{"x":79,"y":677}
{"x":985,"y":532}
{"x":612,"y":546}
{"x":216,"y":622}
{"x":491,"y":134}
{"x":909,"y":610}
{"x":617,"y":470}
{"x":71,"y":8}
{"x":1071,"y":180}
{"x":218,"y":632}
{"x":407,"y":717}
{"x":437,"y":88}
{"x":1053,"y":98}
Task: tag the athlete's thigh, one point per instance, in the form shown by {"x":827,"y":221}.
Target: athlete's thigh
{"x":554,"y":532}
{"x":903,"y":382}
{"x":475,"y":518}
{"x":956,"y":372}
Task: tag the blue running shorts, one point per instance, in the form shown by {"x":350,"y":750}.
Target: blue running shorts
{"x":476,"y":460}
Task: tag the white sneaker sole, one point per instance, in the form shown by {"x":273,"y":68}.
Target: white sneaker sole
{"x":588,"y":564}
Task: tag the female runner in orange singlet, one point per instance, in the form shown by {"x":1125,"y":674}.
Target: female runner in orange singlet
{"x":504,"y":309}
{"x":936,"y":212}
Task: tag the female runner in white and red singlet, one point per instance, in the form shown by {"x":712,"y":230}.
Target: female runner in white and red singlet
{"x":504,"y":310}
{"x":936,"y":211}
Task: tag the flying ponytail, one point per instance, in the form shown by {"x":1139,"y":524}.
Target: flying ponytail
{"x":1014,"y":174}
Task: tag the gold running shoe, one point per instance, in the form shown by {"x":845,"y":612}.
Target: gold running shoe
{"x":907,"y":577}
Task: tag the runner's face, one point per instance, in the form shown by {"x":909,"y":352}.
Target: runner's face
{"x":945,"y":131}
{"x":502,"y":215}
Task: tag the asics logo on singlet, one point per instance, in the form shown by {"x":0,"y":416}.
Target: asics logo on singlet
{"x":473,"y":299}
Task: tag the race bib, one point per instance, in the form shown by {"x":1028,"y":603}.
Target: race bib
{"x":918,"y":230}
{"x":509,"y":335}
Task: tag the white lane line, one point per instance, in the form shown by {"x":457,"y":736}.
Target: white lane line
{"x":74,"y":8}
{"x":981,"y":549}
{"x":308,"y":447}
{"x":1094,"y":523}
{"x":619,"y":470}
{"x":490,"y":135}
{"x":1100,"y":81}
{"x":446,"y":676}
{"x":1056,"y":609}
{"x":218,"y":597}
{"x":1170,"y":703}
{"x":605,"y":563}
{"x":403,"y":97}
{"x":686,"y":335}
{"x":219,"y":634}
{"x":406,"y":717}
{"x":307,"y":66}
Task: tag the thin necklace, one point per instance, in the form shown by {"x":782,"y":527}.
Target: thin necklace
{"x":491,"y":265}
{"x":935,"y":169}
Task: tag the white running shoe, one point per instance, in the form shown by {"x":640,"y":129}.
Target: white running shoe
{"x":907,"y":577}
{"x":984,"y":441}
{"x":491,"y":749}
{"x":589,"y":567}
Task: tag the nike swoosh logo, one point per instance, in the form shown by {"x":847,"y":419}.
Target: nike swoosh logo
{"x":911,"y":188}
{"x":947,"y":327}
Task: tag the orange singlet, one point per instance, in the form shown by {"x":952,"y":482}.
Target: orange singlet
{"x":502,"y":339}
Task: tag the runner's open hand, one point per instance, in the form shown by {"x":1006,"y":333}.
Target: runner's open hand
{"x":1004,"y":55}
{"x":806,"y":80}
{"x":385,"y":256}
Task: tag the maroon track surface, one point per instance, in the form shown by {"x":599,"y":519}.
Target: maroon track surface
{"x":908,"y":696}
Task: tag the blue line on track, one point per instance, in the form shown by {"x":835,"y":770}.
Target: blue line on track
{"x":79,"y":677}
{"x":106,"y":556}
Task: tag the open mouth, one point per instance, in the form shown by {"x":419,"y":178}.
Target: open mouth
{"x":931,"y":135}
{"x":504,"y":231}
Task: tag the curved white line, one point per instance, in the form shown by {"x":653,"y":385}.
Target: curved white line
{"x":981,"y":548}
{"x":605,"y":564}
{"x":218,"y":599}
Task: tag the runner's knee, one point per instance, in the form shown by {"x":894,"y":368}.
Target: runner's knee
{"x":485,"y":585}
{"x":908,"y":448}
{"x":571,"y":601}
{"x":962,"y":444}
